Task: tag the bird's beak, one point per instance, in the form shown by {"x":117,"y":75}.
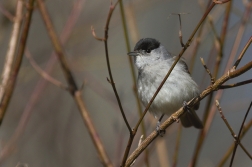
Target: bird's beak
{"x":134,"y":53}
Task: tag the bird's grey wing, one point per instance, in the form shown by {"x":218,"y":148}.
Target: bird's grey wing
{"x":196,"y":106}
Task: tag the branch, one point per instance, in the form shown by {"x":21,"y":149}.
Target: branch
{"x":238,"y":138}
{"x":133,"y":74}
{"x":42,"y":73}
{"x":39,"y":88}
{"x":242,"y":53}
{"x":236,"y":84}
{"x":209,"y":117}
{"x":7,"y":14}
{"x":8,"y":88}
{"x":231,"y":148}
{"x":207,"y":70}
{"x":73,"y":90}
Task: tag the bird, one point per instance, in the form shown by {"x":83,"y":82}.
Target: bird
{"x":153,"y":62}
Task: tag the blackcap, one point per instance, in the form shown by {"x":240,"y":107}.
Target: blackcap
{"x":153,"y":62}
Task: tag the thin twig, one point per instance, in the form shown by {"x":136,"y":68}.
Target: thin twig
{"x":207,"y":70}
{"x":95,"y":36}
{"x":139,"y":143}
{"x":6,"y":13}
{"x":133,"y":74}
{"x":231,"y":148}
{"x":240,"y":34}
{"x":73,"y":90}
{"x":175,"y":155}
{"x":220,"y":2}
{"x":42,"y":73}
{"x":180,"y":28}
{"x":110,"y":79}
{"x":236,"y":84}
{"x":8,"y":88}
{"x":242,"y":53}
{"x":238,"y":138}
{"x":237,"y":141}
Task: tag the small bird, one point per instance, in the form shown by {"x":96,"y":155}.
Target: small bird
{"x":153,"y":62}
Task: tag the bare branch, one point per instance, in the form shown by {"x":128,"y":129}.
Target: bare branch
{"x":242,"y":53}
{"x":180,"y":28}
{"x":236,"y":84}
{"x":207,"y":70}
{"x":231,"y":148}
{"x":238,"y":138}
{"x":94,"y":35}
{"x":24,"y":119}
{"x":45,"y":75}
{"x":9,"y":87}
{"x":73,"y":90}
{"x":220,"y":2}
{"x":7,"y":14}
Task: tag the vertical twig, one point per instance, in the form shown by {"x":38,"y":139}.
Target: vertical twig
{"x":9,"y":87}
{"x":133,"y":74}
{"x":175,"y":155}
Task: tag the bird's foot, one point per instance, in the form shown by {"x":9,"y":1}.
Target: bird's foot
{"x":185,"y":106}
{"x":161,"y":132}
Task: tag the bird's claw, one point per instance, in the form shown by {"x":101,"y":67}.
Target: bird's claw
{"x":161,"y":132}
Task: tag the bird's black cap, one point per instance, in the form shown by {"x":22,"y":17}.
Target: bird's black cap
{"x":147,"y":44}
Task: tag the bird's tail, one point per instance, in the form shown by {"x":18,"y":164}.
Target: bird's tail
{"x":190,"y":118}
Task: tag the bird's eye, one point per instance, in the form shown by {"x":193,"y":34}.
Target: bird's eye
{"x":148,"y":50}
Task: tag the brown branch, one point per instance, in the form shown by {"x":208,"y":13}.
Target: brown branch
{"x":73,"y":90}
{"x":209,"y":117}
{"x":180,"y":28}
{"x":238,"y":138}
{"x":9,"y":87}
{"x":178,"y":113}
{"x":24,"y":119}
{"x":95,"y":36}
{"x":42,"y":73}
{"x":133,"y":74}
{"x":242,"y":53}
{"x":220,"y":2}
{"x":237,"y":141}
{"x":7,"y":14}
{"x":231,"y":148}
{"x":110,"y":79}
{"x":207,"y":70}
{"x":12,"y":48}
{"x":236,"y":84}
{"x":175,"y":155}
